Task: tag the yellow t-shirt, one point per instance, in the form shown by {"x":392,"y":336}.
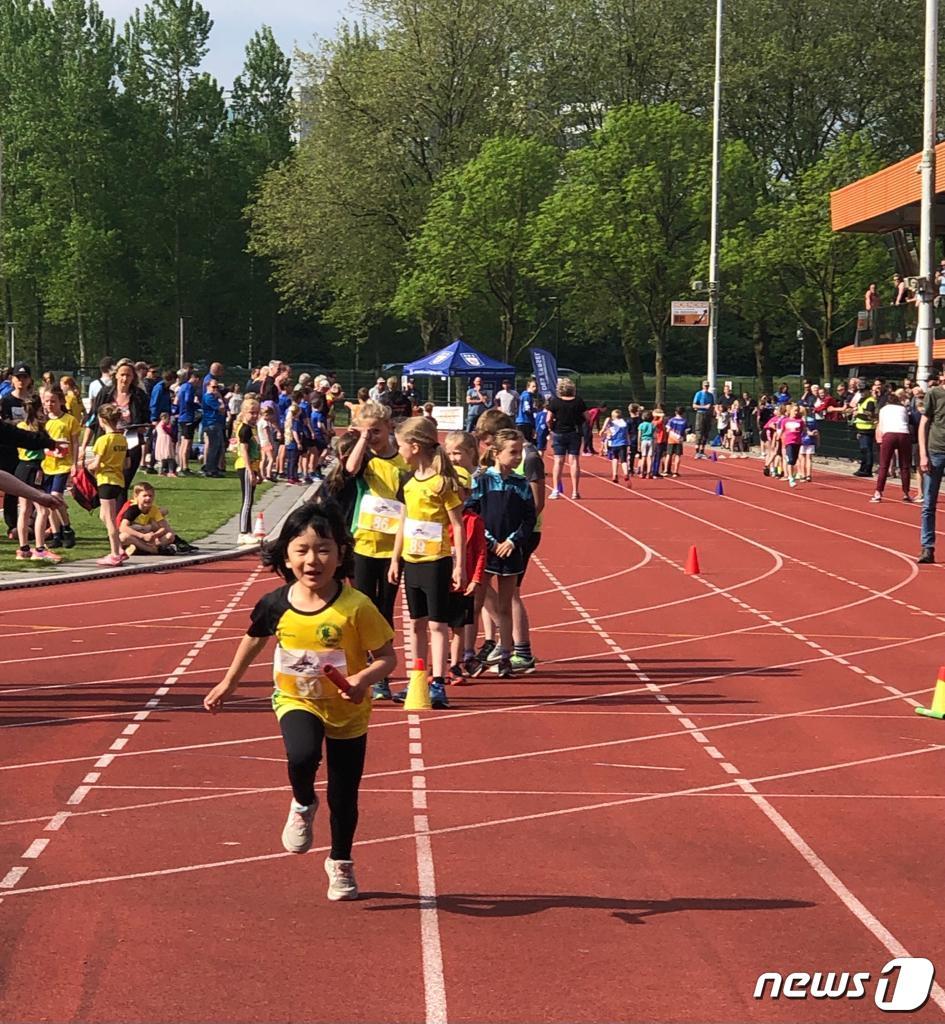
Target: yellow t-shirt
{"x":341,"y":634}
{"x":74,"y":406}
{"x":62,"y":428}
{"x":112,"y":450}
{"x":28,"y":454}
{"x":377,"y":509}
{"x":427,"y":523}
{"x":134,"y":516}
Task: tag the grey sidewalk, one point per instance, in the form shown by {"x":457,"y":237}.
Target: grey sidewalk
{"x":275,"y":505}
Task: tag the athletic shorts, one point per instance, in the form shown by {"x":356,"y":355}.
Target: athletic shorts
{"x":675,"y":448}
{"x":110,"y":492}
{"x":461,"y":610}
{"x":791,"y":452}
{"x":530,"y":546}
{"x":703,"y":425}
{"x":427,"y":589}
{"x":28,"y":472}
{"x":646,"y":447}
{"x":56,"y":483}
{"x":618,"y":452}
{"x":808,"y":449}
{"x":187,"y":430}
{"x":566,"y":444}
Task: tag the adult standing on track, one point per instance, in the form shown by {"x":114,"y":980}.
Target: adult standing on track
{"x":894,"y":435}
{"x":566,"y":420}
{"x":525,"y":417}
{"x":865,"y":418}
{"x":132,"y":401}
{"x":703,"y":402}
{"x":476,"y":404}
{"x":931,"y":465}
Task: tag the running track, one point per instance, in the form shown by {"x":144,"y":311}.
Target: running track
{"x":708,"y":778}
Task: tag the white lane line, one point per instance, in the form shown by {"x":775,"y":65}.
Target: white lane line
{"x":78,"y":795}
{"x":92,"y":778}
{"x":132,"y":727}
{"x":57,"y":821}
{"x":416,"y":764}
{"x":415,"y":748}
{"x":13,"y":876}
{"x":35,"y":848}
{"x":119,"y":744}
{"x":434,"y":985}
{"x":642,"y":767}
{"x":104,"y":761}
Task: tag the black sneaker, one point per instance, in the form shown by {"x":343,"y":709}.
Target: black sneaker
{"x":488,"y":646}
{"x":455,"y":674}
{"x":474,"y":666}
{"x":54,"y":542}
{"x":504,"y":669}
{"x":927,"y":557}
{"x":68,"y":537}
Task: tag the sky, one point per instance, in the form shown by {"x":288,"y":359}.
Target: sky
{"x":294,"y":23}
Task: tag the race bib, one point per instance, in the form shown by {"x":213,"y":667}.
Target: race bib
{"x":300,"y":673}
{"x":425,"y":540}
{"x":381,"y":515}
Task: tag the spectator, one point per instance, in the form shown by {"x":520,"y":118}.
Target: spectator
{"x":143,"y":528}
{"x":808,"y":398}
{"x":401,"y":407}
{"x":104,"y":380}
{"x":13,"y":410}
{"x":152,"y":375}
{"x":865,"y":419}
{"x":476,"y":404}
{"x":871,"y":300}
{"x":379,"y":389}
{"x":74,"y":406}
{"x":132,"y":403}
{"x":703,"y":402}
{"x":525,"y":417}
{"x":6,"y":385}
{"x":931,"y":465}
{"x":901,"y":293}
{"x":566,"y":420}
{"x":214,"y":426}
{"x":506,"y":399}
{"x":188,"y":402}
{"x":939,"y":299}
{"x":783,"y":395}
{"x":894,"y":435}
{"x":161,"y":398}
{"x":589,"y":428}
{"x":215,"y":373}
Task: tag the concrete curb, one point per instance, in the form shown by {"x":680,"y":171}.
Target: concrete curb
{"x":164,"y":563}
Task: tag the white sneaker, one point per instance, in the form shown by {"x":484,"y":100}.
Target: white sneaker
{"x":341,"y":881}
{"x":554,"y":496}
{"x":246,"y":538}
{"x":297,"y":834}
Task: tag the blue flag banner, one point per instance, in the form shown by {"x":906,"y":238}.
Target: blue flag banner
{"x":546,"y":371}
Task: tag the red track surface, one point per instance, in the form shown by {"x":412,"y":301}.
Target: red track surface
{"x":708,"y":778}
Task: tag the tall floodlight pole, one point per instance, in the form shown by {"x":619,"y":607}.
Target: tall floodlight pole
{"x":713,"y":346}
{"x":925,"y":334}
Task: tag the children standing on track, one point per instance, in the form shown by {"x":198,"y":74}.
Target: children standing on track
{"x":790,"y":432}
{"x":541,"y":424}
{"x":660,"y":435}
{"x":247,"y":464}
{"x":379,"y":471}
{"x":466,"y":608}
{"x":676,"y":430}
{"x":809,"y":441}
{"x":318,"y":621}
{"x":504,"y":500}
{"x":614,"y":437}
{"x":108,"y":466}
{"x":634,"y":419}
{"x":432,"y":545}
{"x":645,"y":435}
{"x":57,"y":466}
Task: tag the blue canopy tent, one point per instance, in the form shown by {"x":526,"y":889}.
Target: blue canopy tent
{"x":460,"y":360}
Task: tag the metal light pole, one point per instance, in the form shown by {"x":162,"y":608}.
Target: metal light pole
{"x":713,"y":346}
{"x":925,"y":333}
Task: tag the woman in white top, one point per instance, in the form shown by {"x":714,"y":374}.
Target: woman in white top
{"x":894,"y":435}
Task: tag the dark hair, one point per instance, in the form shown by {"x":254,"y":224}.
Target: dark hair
{"x":327,"y":520}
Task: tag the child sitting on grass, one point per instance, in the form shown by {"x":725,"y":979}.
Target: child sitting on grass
{"x":143,"y":528}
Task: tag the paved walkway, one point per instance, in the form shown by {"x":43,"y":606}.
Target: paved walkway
{"x":275,"y":505}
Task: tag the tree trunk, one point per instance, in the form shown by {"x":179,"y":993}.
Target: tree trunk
{"x":759,"y":342}
{"x":508,"y":338}
{"x":80,"y":335}
{"x":826,"y":356}
{"x":631,"y":354}
{"x":38,"y":363}
{"x":659,"y":346}
{"x":8,"y":316}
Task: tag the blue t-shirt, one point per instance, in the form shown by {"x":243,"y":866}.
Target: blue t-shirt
{"x":678,"y":425}
{"x":282,"y":404}
{"x":703,"y":398}
{"x":207,"y":380}
{"x":617,"y":433}
{"x":526,"y":409}
{"x":160,"y":401}
{"x":541,"y":420}
{"x":213,"y":410}
{"x":186,"y":402}
{"x":781,"y":399}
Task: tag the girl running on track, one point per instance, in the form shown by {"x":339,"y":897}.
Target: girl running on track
{"x":322,"y":627}
{"x":62,"y":426}
{"x":247,"y":464}
{"x":808,"y":443}
{"x":108,"y":466}
{"x":432,"y":544}
{"x":504,"y":500}
{"x":378,"y":470}
{"x":790,"y":432}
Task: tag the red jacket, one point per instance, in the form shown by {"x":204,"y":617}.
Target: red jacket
{"x":475,"y":531}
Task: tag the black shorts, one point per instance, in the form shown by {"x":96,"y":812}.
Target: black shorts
{"x":461,"y":610}
{"x":618,"y":452}
{"x":675,"y":448}
{"x":529,"y":549}
{"x":566,"y":444}
{"x":186,"y":430}
{"x":791,"y":451}
{"x":427,"y":589}
{"x":110,"y":492}
{"x":56,"y":483}
{"x":28,"y":472}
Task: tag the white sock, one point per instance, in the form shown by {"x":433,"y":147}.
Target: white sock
{"x":296,"y":806}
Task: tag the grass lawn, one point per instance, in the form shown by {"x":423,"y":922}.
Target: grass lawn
{"x":195,"y":506}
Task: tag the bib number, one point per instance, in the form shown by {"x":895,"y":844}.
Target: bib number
{"x":425,"y":540}
{"x":380,"y":515}
{"x":301,"y":673}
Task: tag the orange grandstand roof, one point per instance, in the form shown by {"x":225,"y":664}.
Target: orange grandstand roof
{"x":888,"y":199}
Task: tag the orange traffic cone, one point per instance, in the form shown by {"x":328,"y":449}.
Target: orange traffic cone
{"x":259,"y":530}
{"x":938,"y":698}
{"x":692,"y":562}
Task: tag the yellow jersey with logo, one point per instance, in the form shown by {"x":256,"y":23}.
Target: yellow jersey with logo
{"x":28,"y":454}
{"x":62,"y":428}
{"x":428,"y":503}
{"x":112,"y":450}
{"x":378,"y":511}
{"x":340,"y":634}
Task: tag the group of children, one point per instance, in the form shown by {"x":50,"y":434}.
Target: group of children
{"x":457,"y":524}
{"x":645,"y":442}
{"x":788,"y":441}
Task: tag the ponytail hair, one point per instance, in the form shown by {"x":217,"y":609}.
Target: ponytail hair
{"x":420,"y":431}
{"x":336,"y":476}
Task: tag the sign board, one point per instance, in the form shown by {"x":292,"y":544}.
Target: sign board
{"x":689,"y":314}
{"x":449,"y":417}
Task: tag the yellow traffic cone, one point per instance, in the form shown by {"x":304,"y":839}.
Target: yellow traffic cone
{"x":418,"y":690}
{"x":938,"y":698}
{"x":259,"y":530}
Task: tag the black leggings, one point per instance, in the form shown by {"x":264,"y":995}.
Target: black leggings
{"x":246,"y":509}
{"x":370,"y":577}
{"x":302,"y":733}
{"x":134,"y":461}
